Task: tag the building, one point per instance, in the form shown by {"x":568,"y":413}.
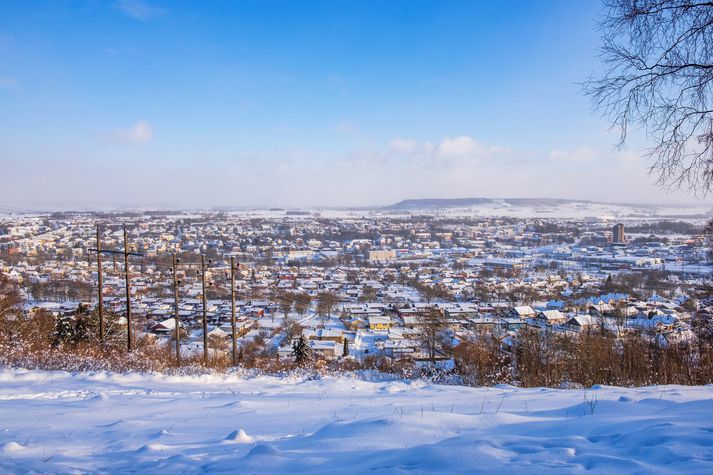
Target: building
{"x":379,"y":323}
{"x":324,"y":334}
{"x":327,"y":348}
{"x":618,"y":234}
{"x":551,"y":317}
{"x":381,"y":255}
{"x":522,"y":313}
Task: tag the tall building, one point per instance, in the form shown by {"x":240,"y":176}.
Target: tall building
{"x":618,"y":234}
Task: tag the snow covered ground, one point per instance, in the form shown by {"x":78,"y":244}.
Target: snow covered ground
{"x":101,"y":422}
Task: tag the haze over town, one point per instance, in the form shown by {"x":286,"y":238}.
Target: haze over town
{"x":158,"y":104}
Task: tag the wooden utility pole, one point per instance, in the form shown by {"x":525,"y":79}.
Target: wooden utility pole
{"x":126,"y":254}
{"x":100,"y":287}
{"x":177,"y":321}
{"x":205,"y":314}
{"x":233,"y":268}
{"x":129,"y":339}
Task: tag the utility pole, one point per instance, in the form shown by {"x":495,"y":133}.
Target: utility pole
{"x":128,"y":291}
{"x":205,"y":314}
{"x":100,"y":287}
{"x":126,"y":254}
{"x":233,"y":268}
{"x":175,"y":308}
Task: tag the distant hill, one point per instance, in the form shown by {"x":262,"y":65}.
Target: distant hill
{"x":436,"y":203}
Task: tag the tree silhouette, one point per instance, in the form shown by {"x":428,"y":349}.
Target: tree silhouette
{"x":658,"y":58}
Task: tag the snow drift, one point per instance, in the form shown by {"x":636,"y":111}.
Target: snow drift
{"x":104,"y":422}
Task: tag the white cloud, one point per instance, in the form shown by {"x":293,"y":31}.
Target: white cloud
{"x":137,"y":133}
{"x":404,"y":146}
{"x":455,"y":147}
{"x":580,"y":154}
{"x":138,"y":9}
{"x":448,"y":149}
{"x":307,"y":178}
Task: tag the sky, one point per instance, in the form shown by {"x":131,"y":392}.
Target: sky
{"x":148,"y":103}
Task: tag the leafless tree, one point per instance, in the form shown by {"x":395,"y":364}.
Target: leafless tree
{"x":10,"y":301}
{"x":432,"y":325}
{"x":368,"y":294}
{"x":292,"y":329}
{"x":481,"y":362}
{"x":302,"y":303}
{"x":285,"y":300}
{"x":326,"y":301}
{"x":658,"y":59}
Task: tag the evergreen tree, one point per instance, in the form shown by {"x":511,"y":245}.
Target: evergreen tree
{"x":64,"y":332}
{"x":74,"y":329}
{"x":81,"y":330}
{"x":302,"y":351}
{"x":609,"y":284}
{"x":345,"y":352}
{"x":84,"y":324}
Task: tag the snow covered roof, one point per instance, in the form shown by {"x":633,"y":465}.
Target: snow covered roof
{"x":524,"y":310}
{"x":380,"y":320}
{"x":582,"y":320}
{"x":551,"y":315}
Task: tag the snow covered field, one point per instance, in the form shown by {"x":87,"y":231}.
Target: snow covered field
{"x":100,"y":422}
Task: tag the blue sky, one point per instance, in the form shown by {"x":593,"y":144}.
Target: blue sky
{"x":244,"y":103}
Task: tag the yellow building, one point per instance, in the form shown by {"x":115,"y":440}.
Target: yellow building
{"x":380,"y":323}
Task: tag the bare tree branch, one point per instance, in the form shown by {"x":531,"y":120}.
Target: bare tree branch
{"x":658,"y":58}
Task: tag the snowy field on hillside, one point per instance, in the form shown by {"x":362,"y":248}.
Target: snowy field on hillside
{"x":572,"y":210}
{"x":57,"y":422}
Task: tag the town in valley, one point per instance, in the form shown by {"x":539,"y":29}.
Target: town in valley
{"x":361,"y":284}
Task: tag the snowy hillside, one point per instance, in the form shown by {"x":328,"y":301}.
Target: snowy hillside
{"x":549,"y":208}
{"x":58,"y":422}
